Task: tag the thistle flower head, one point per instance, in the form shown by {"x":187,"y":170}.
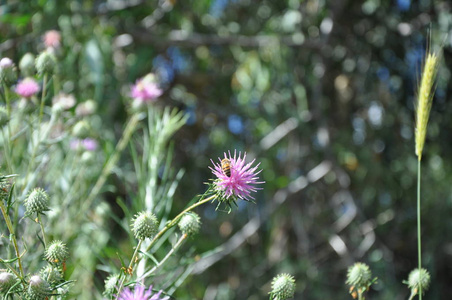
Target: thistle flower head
{"x":139,"y":293}
{"x":235,"y":179}
{"x":86,"y":108}
{"x":8,"y":74}
{"x":6,"y":62}
{"x":81,"y":129}
{"x":27,"y":87}
{"x":51,"y":274}
{"x":424,"y":101}
{"x":63,"y":101}
{"x":190,"y":223}
{"x":27,"y":64}
{"x":146,"y":89}
{"x":145,"y":225}
{"x":38,"y":289}
{"x":56,"y":252}
{"x":52,"y":39}
{"x":359,"y":277}
{"x":7,"y":280}
{"x":87,"y":144}
{"x":418,"y":281}
{"x":37,"y":201}
{"x":283,"y":287}
{"x":46,"y":63}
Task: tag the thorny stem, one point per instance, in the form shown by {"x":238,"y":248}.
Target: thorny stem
{"x":419,"y":253}
{"x":13,"y":236}
{"x":130,"y":128}
{"x":134,"y":256}
{"x":42,"y":230}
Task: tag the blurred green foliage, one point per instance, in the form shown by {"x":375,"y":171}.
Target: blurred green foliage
{"x":296,"y":84}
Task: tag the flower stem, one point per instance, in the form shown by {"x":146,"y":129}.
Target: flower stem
{"x":176,"y":219}
{"x":42,"y":231}
{"x":130,"y":128}
{"x":419,"y":253}
{"x":43,"y":98}
{"x":173,"y":249}
{"x":13,"y":236}
{"x":134,"y":256}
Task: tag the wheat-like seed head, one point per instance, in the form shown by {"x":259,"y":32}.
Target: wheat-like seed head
{"x":425,"y":98}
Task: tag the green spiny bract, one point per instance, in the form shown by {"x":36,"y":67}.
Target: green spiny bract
{"x":283,"y":287}
{"x":7,"y":280}
{"x":418,"y":280}
{"x":51,"y":274}
{"x":46,"y":63}
{"x":38,"y":288}
{"x":190,"y":223}
{"x":111,"y":283}
{"x":27,"y":65}
{"x":37,"y":201}
{"x":359,"y":277}
{"x":56,"y":252}
{"x":145,"y":225}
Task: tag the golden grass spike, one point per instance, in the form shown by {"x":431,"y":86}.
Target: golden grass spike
{"x":425,"y":98}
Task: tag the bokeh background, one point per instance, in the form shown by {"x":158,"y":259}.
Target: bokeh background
{"x":321,"y":93}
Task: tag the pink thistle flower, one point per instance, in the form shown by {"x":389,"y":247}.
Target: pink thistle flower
{"x":27,"y":87}
{"x":139,"y":293}
{"x":87,"y":144}
{"x":236,"y":180}
{"x":146,"y":89}
{"x":6,"y":62}
{"x":52,"y":39}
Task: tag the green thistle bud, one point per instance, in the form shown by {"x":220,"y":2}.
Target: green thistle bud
{"x":56,"y":252}
{"x":37,"y":201}
{"x":81,"y":130}
{"x":418,"y":281}
{"x":46,"y":63}
{"x":7,"y":280}
{"x":145,"y":225}
{"x":359,"y":277}
{"x":38,"y":289}
{"x":283,"y":287}
{"x":27,"y":65}
{"x":3,"y":116}
{"x":111,"y":283}
{"x":52,"y":275}
{"x":8,"y":74}
{"x":190,"y":223}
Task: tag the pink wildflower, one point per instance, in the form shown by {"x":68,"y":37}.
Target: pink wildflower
{"x":146,"y":89}
{"x":87,"y":144}
{"x":52,"y":39}
{"x":139,"y":293}
{"x":239,"y":181}
{"x":6,"y":62}
{"x":27,"y":87}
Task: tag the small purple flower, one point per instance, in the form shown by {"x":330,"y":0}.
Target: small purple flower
{"x":146,"y":89}
{"x":139,"y":293}
{"x":236,"y":180}
{"x":27,"y":87}
{"x":87,"y":144}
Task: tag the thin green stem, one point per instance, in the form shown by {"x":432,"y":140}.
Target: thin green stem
{"x":176,"y":219}
{"x":42,"y":231}
{"x":43,"y":98}
{"x":173,"y":249}
{"x":360,"y":296}
{"x":13,"y":236}
{"x":419,"y":253}
{"x":128,"y":131}
{"x":134,"y":256}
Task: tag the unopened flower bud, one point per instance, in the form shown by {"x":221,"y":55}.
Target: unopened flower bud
{"x":27,"y":65}
{"x":51,"y":274}
{"x":283,"y":287}
{"x":46,"y":63}
{"x":190,"y":223}
{"x":418,"y":280}
{"x":145,"y":225}
{"x":37,"y":201}
{"x":56,"y":252}
{"x":359,"y":276}
{"x":86,"y":108}
{"x":8,"y":74}
{"x":3,"y":116}
{"x":111,"y":284}
{"x":7,"y":280}
{"x":39,"y":289}
{"x":81,"y":129}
